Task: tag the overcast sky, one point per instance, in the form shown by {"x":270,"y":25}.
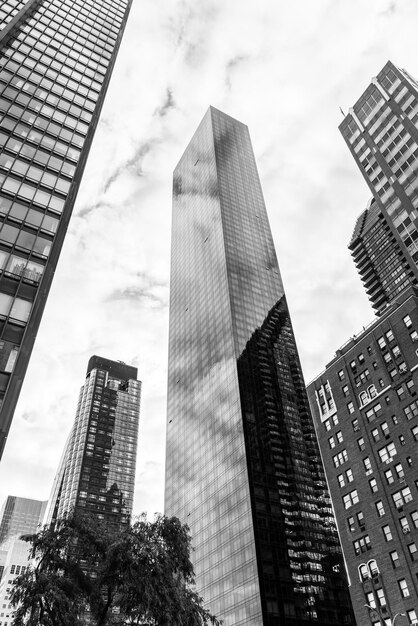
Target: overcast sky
{"x":282,"y":68}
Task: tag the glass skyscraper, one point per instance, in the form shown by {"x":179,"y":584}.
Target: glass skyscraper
{"x":97,"y":470}
{"x":381,"y":132}
{"x":56,"y":59}
{"x":242,"y":466}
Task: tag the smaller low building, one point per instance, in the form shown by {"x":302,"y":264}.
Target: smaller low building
{"x":365,"y":408}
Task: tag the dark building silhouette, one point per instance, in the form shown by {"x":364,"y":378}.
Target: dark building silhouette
{"x":97,"y":470}
{"x":243,"y":466}
{"x":381,"y":132}
{"x":56,"y":59}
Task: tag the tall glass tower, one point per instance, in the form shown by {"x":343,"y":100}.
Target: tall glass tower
{"x":97,"y":470}
{"x":243,"y":467}
{"x":56,"y":59}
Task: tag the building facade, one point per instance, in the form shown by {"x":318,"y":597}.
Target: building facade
{"x":97,"y":470}
{"x":365,"y":407}
{"x":381,"y":132}
{"x":242,"y":464}
{"x":56,"y":59}
{"x":18,"y":516}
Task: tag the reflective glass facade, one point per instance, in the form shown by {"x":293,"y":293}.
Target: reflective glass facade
{"x":56,"y":58}
{"x":97,"y":470}
{"x":381,"y":131}
{"x":242,"y":467}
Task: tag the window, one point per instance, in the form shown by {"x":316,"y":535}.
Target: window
{"x":395,"y":420}
{"x":351,"y":524}
{"x":360,"y":443}
{"x":399,"y":471}
{"x":373,"y":485}
{"x":394,"y":557}
{"x":396,"y":351}
{"x":387,"y":453}
{"x":327,"y":424}
{"x":345,"y":390}
{"x":387,"y":532}
{"x":380,"y":508}
{"x":375,"y":434}
{"x":402,"y":440}
{"x":349,"y":475}
{"x":385,"y":428}
{"x":361,"y":378}
{"x":412,"y":548}
{"x":341,"y":375}
{"x":411,"y":410}
{"x":400,"y":392}
{"x":372,"y":390}
{"x":373,"y":412}
{"x":340,"y":458}
{"x":382,"y":343}
{"x":402,"y":497}
{"x":381,"y":597}
{"x":370,"y":599}
{"x":360,"y":358}
{"x":350,"y":498}
{"x":414,"y":432}
{"x":350,"y":407}
{"x":362,"y":544}
{"x":414,"y":335}
{"x":355,"y":425}
{"x":403,"y":587}
{"x":389,"y":335}
{"x":363,"y":572}
{"x":363,"y":398}
{"x":339,"y":436}
{"x":341,"y":480}
{"x":331,"y":442}
{"x":407,"y":321}
{"x":353,"y":365}
{"x":412,"y":616}
{"x":389,"y":477}
{"x":367,"y":465}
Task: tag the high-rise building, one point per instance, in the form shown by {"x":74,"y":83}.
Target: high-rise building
{"x":365,"y":407}
{"x":20,"y":516}
{"x":97,"y":470}
{"x":381,"y":131}
{"x":56,"y":59}
{"x":242,"y":466}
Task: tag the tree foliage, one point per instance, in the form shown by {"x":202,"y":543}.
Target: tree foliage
{"x":89,"y":572}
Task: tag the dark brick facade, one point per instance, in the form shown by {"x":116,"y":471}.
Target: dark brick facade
{"x":365,"y":408}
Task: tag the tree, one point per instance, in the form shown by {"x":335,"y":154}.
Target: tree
{"x":85,"y":571}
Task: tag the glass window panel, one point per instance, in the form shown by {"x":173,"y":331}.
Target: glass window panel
{"x":20,"y":309}
{"x":5,"y":205}
{"x":34,"y":217}
{"x":26,"y":240}
{"x":5,"y":303}
{"x":11,"y":185}
{"x":33,"y":271}
{"x":16,"y":265}
{"x":3,"y":257}
{"x":8,"y":355}
{"x":8,"y":233}
{"x":42,"y":198}
{"x":18,"y":211}
{"x":27,"y":191}
{"x":50,"y":223}
{"x":42,"y":246}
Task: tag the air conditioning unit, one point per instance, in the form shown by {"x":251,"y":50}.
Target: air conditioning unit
{"x":406,"y":530}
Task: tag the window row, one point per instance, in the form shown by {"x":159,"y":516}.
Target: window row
{"x":23,"y":239}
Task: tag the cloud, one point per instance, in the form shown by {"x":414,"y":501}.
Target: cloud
{"x":167,"y":104}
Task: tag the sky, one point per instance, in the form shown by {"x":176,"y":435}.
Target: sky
{"x":282,"y":68}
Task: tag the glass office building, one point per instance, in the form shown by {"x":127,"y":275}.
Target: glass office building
{"x":242,"y":465}
{"x":97,"y":470}
{"x":56,"y":59}
{"x":381,"y":132}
